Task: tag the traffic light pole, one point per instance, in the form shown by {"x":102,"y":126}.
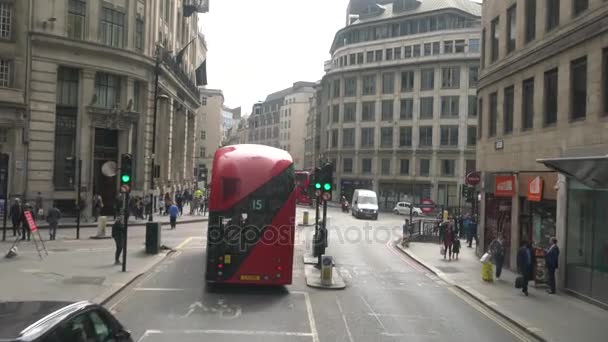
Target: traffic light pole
{"x":153,"y":157}
{"x":126,"y":225}
{"x":78,"y":204}
{"x":4,"y":183}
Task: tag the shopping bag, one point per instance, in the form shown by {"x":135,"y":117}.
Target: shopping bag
{"x":442,"y":250}
{"x":485,"y":258}
{"x":519,"y":282}
{"x":487,"y":272}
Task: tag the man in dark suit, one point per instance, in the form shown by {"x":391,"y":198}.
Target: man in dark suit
{"x":524,"y":264}
{"x":551,"y":260}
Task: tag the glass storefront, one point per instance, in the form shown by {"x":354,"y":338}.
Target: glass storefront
{"x":537,"y":221}
{"x":587,"y":241}
{"x":392,"y":193}
{"x":498,"y":221}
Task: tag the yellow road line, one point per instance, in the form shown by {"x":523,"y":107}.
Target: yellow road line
{"x":185,"y":242}
{"x":491,"y":316}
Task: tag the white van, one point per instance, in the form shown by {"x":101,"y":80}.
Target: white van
{"x":365,"y":204}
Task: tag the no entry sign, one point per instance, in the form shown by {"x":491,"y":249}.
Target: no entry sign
{"x":426,"y":205}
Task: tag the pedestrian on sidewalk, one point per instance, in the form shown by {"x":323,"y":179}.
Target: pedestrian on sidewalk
{"x":551,"y":260}
{"x":173,"y":212}
{"x":448,"y":241}
{"x":83,"y":209}
{"x":53,"y":218}
{"x":524,"y":265}
{"x":180,"y":203}
{"x":118,"y":233}
{"x":38,"y":202}
{"x":97,"y":206}
{"x":161,"y":206}
{"x":15,"y":214}
{"x":497,"y":250}
{"x":456,"y":248}
{"x":25,"y":227}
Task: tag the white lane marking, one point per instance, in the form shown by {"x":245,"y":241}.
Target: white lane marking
{"x":430,"y":334}
{"x":373,"y":313}
{"x":350,"y":335}
{"x":311,"y":317}
{"x":157,"y":289}
{"x":225,"y":332}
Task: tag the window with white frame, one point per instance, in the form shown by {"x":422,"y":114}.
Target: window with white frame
{"x":5,"y":73}
{"x":6,"y":17}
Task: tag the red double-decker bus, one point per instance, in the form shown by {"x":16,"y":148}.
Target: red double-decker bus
{"x":303,"y":179}
{"x":252,"y":206}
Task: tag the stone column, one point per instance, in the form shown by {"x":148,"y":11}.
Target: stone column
{"x":85,"y":134}
{"x":561,"y":226}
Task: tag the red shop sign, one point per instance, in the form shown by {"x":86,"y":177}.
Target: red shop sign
{"x":504,"y":186}
{"x":535,"y":190}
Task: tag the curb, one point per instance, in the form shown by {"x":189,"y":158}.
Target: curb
{"x":470,"y":293}
{"x":134,"y":224}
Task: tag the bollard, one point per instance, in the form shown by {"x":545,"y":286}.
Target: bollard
{"x":305,"y":219}
{"x":326,"y":270}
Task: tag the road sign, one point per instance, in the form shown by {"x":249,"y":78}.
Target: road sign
{"x":125,"y":188}
{"x":318,"y":193}
{"x":326,"y":196}
{"x":426,"y":205}
{"x":473,"y":178}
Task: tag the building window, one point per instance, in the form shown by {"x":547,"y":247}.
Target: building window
{"x":350,"y":87}
{"x":427,"y":49}
{"x":473,"y":76}
{"x":494,"y":43}
{"x":347,"y":165}
{"x":3,"y":135}
{"x":369,"y":85}
{"x":511,"y":28}
{"x":448,"y":47}
{"x":426,"y":107}
{"x":425,"y":167}
{"x":378,"y":55}
{"x":203,"y":135}
{"x":136,"y":96}
{"x":404,"y":166}
{"x":389,"y":54}
{"x":336,"y":88}
{"x":77,"y":11}
{"x":450,"y":77}
{"x":579,"y":6}
{"x":551,"y":87}
{"x":6,"y":18}
{"x":552,"y":14}
{"x":334,"y":138}
{"x":507,"y":108}
{"x":472,"y":106}
{"x":348,"y":138}
{"x":448,"y":167}
{"x":386,"y":166}
{"x":474,"y":46}
{"x":369,"y":56}
{"x":407,"y":52}
{"x":426,"y":136}
{"x":436,"y":48}
{"x":578,"y":84}
{"x":367,"y":137}
{"x":450,"y":106}
{"x":202,"y":152}
{"x":139,"y":34}
{"x":416,"y":52}
{"x":107,"y":90}
{"x":352,"y":59}
{"x":386,"y":137}
{"x":427,"y":79}
{"x":407,"y":81}
{"x":397,"y":52}
{"x":335,"y":114}
{"x":530,"y":17}
{"x":449,"y":136}
{"x":493,"y":114}
{"x":5,"y":73}
{"x":368,"y":111}
{"x":470,"y":166}
{"x":350,"y":110}
{"x":527,"y":104}
{"x":387,"y":110}
{"x":65,"y":124}
{"x":483,"y":48}
{"x":366,"y":165}
{"x":388,"y":83}
{"x":113,"y":28}
{"x":405,"y":136}
{"x":67,"y":87}
{"x":360,"y":58}
{"x":471,"y":135}
{"x":407,"y":109}
{"x":459,"y":46}
{"x":479,"y":118}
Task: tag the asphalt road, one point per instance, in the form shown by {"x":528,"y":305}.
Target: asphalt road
{"x":388,"y":298}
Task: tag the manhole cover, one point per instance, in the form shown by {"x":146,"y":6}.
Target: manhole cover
{"x":448,"y":269}
{"x":85,"y":280}
{"x":58,"y":250}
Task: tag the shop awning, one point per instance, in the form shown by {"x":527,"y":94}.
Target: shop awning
{"x":591,"y":171}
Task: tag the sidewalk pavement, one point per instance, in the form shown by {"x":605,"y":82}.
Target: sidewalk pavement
{"x":77,"y":270}
{"x":558,"y":317}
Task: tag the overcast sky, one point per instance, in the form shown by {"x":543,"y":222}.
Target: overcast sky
{"x":259,"y":47}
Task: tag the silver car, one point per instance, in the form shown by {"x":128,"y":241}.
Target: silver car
{"x":403,"y":208}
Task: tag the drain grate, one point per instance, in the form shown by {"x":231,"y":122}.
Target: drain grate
{"x":85,"y":280}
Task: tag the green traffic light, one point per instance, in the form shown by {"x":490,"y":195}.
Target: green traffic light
{"x":327,"y":186}
{"x":125,"y":178}
{"x":318,"y":185}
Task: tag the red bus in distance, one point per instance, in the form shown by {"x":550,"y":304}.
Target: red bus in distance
{"x":252,"y":207}
{"x":303,"y":179}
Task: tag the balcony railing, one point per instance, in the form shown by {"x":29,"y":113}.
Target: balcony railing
{"x":170,"y":61}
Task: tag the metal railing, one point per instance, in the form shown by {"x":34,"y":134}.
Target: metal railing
{"x":170,"y":61}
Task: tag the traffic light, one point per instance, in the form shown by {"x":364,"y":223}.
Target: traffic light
{"x":316,"y":181}
{"x":126,"y":169}
{"x":327,"y":178}
{"x":70,"y":168}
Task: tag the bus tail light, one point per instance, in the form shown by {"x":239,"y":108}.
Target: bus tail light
{"x":279,"y":268}
{"x":220,"y":266}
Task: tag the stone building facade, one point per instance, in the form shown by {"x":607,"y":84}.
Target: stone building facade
{"x":398,"y":108}
{"x":85,"y":71}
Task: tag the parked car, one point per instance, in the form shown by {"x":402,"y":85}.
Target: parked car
{"x":365,"y":204}
{"x":403,"y":208}
{"x":42,"y":321}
